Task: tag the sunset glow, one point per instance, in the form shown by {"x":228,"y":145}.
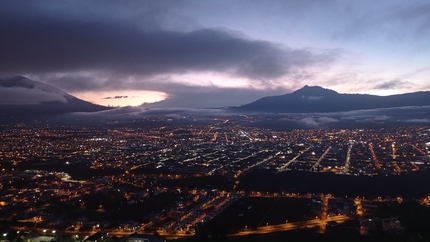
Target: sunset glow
{"x":122,"y":98}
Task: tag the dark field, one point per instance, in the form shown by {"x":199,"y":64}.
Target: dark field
{"x":416,"y":184}
{"x":259,"y":211}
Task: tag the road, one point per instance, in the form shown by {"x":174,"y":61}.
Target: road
{"x":359,"y":206}
{"x":199,"y":157}
{"x":348,"y":158}
{"x":260,"y":230}
{"x":314,"y":167}
{"x":291,"y":226}
{"x":363,"y":229}
{"x":375,"y":159}
{"x":285,"y":166}
{"x":256,"y":164}
{"x":418,"y":149}
{"x":324,"y":215}
{"x":240,"y":159}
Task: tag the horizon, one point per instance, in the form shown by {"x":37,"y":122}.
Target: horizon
{"x":106,"y":94}
{"x":122,"y":98}
{"x":172,"y":54}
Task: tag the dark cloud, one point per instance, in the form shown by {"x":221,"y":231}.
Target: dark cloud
{"x":396,"y":114}
{"x":423,"y":120}
{"x":73,"y":82}
{"x":20,"y":95}
{"x":393,"y":84}
{"x":19,"y":90}
{"x":42,"y":43}
{"x":85,"y":46}
{"x":212,"y":97}
{"x":116,"y":97}
{"x":178,"y":94}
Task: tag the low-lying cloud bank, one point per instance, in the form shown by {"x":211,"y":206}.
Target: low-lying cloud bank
{"x":359,"y":118}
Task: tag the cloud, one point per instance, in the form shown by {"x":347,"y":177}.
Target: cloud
{"x":22,"y":96}
{"x":180,"y":92}
{"x":317,"y":121}
{"x":327,"y":120}
{"x":393,"y":84}
{"x":133,"y":112}
{"x":423,"y":120}
{"x":417,"y":14}
{"x":309,"y":121}
{"x":211,"y":97}
{"x":408,"y":114}
{"x":19,"y":90}
{"x":385,"y":20}
{"x":315,"y":97}
{"x":116,"y":97}
{"x":43,"y":43}
{"x":86,"y":46}
{"x":352,"y":119}
{"x":79,"y":47}
{"x":381,"y":117}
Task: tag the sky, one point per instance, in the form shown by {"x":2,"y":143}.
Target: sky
{"x":216,"y":53}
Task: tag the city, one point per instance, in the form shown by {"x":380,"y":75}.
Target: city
{"x":175,"y":180}
{"x":215,"y":120}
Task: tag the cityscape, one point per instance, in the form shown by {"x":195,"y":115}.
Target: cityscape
{"x":175,"y":181}
{"x":214,"y":120}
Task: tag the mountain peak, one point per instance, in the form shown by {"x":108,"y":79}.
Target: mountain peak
{"x":23,"y":82}
{"x":311,"y":99}
{"x":20,"y":96}
{"x":314,"y":91}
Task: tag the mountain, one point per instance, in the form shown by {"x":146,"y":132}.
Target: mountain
{"x":22,"y":97}
{"x":310,"y":99}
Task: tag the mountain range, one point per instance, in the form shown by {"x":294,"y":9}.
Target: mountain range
{"x":22,"y":97}
{"x":315,"y":99}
